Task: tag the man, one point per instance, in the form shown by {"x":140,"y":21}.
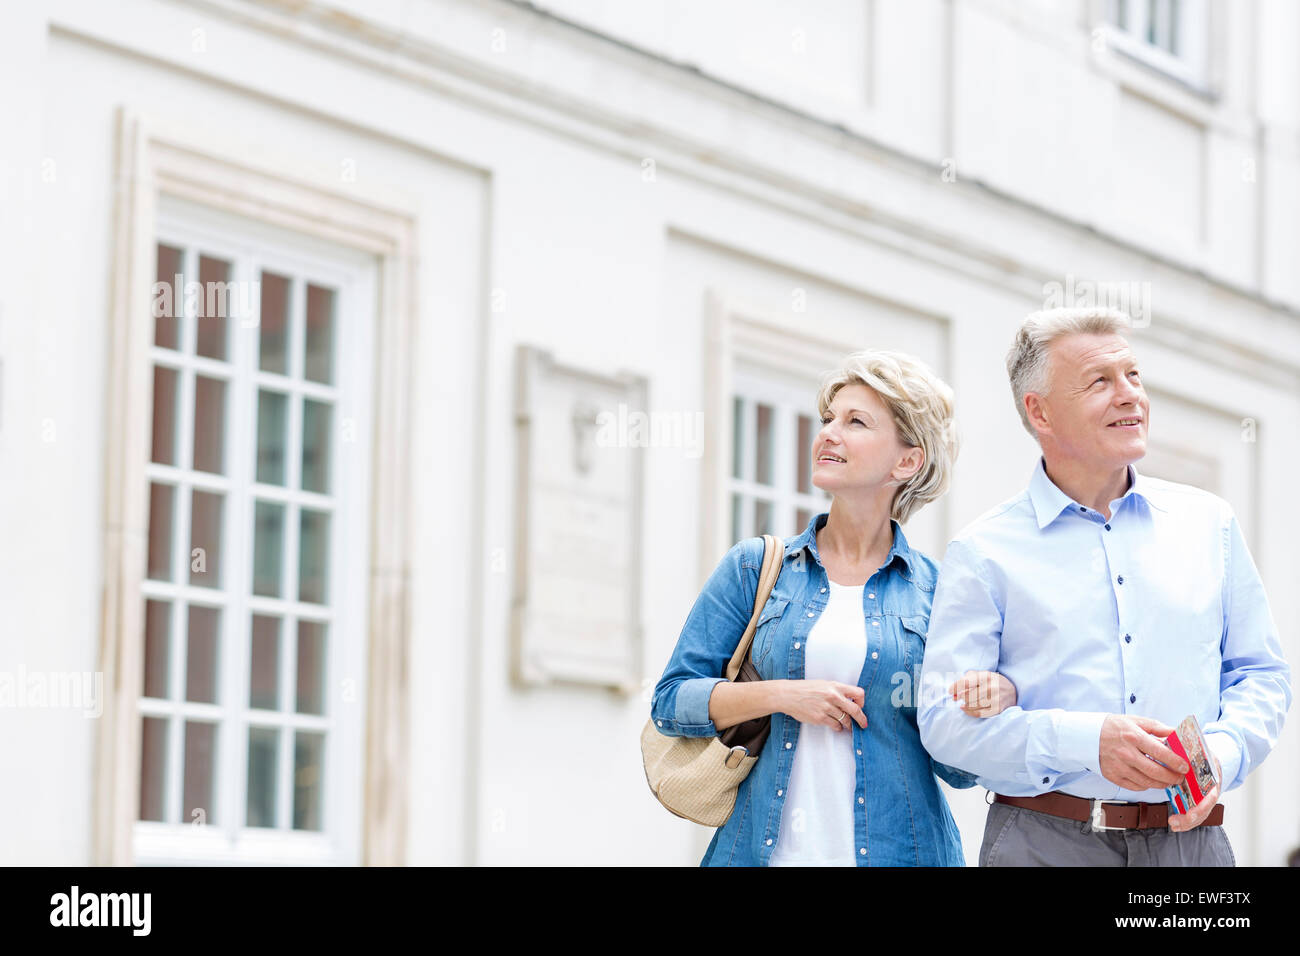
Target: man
{"x":1118,"y":605}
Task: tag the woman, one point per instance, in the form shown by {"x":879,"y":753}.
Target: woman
{"x":843,"y":778}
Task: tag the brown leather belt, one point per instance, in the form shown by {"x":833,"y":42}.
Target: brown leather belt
{"x":1104,"y":815}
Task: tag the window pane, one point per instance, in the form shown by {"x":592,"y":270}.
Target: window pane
{"x":264,"y":666}
{"x":272,"y":418}
{"x":164,"y":415}
{"x":201,"y":655}
{"x":157,"y":646}
{"x":209,"y":423}
{"x":763,"y":517}
{"x":263,"y":750}
{"x":735,"y":518}
{"x":274,"y":324}
{"x":200,"y":751}
{"x":205,"y":539}
{"x":268,"y":548}
{"x":806,"y":432}
{"x":167,"y":301}
{"x":153,"y":763}
{"x":319,"y":364}
{"x":763,"y":445}
{"x":311,"y":667}
{"x":308,"y":752}
{"x":313,"y":552}
{"x":737,"y":435}
{"x":161,"y":509}
{"x":315,"y":446}
{"x":213,"y":308}
{"x":802,"y":517}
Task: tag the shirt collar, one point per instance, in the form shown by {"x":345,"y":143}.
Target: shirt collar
{"x":1049,"y":501}
{"x":808,"y":539}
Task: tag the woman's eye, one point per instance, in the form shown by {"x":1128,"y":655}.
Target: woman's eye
{"x":858,"y":421}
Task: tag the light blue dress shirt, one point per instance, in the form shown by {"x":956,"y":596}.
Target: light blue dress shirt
{"x":1158,"y":612}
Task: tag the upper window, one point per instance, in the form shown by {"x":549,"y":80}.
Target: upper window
{"x":773,"y":426}
{"x":1170,"y":35}
{"x":254,"y":593}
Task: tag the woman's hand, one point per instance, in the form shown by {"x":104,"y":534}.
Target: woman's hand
{"x":983,"y":693}
{"x":824,"y":702}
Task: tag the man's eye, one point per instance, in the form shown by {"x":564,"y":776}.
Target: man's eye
{"x":1099,"y":380}
{"x":1134,"y":373}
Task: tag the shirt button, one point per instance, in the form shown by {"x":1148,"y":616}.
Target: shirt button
{"x":875,"y":624}
{"x":787,"y":745}
{"x":860,"y":800}
{"x":1120,"y":579}
{"x":780,"y":793}
{"x":1132,"y":698}
{"x":1107,"y":527}
{"x":769,"y":841}
{"x":796,"y":645}
{"x":1128,"y":638}
{"x":661,"y":723}
{"x":859,"y":753}
{"x":874,"y":655}
{"x":871,"y":594}
{"x":1045,"y":780}
{"x":862,"y":851}
{"x":823,"y":590}
{"x":810,"y":613}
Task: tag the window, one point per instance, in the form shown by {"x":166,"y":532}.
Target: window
{"x":1170,"y":35}
{"x":774,"y":422}
{"x":255,"y":580}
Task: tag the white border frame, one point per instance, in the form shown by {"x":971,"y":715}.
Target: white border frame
{"x":153,"y":161}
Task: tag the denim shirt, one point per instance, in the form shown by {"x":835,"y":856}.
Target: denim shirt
{"x":900,"y":815}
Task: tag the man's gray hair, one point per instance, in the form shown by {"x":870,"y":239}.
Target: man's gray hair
{"x":1028,"y":362}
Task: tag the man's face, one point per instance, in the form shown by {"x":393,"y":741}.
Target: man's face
{"x":1096,"y":407}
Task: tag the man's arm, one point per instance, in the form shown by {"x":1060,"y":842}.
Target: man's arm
{"x":1028,"y":748}
{"x":1255,"y":680}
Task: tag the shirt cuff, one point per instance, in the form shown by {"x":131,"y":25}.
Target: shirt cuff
{"x":1224,"y":746}
{"x":693,"y":702}
{"x":1078,"y":741}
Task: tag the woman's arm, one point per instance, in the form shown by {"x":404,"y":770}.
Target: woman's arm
{"x":824,"y":702}
{"x":983,"y":693}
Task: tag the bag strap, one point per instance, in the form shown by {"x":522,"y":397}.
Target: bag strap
{"x":773,"y":552}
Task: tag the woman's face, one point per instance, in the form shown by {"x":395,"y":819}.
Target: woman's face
{"x":858,"y":448}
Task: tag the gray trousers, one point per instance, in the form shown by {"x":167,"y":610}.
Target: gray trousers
{"x":1014,"y":836}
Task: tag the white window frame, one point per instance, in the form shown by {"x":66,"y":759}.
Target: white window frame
{"x":789,"y":396}
{"x":251,"y":247}
{"x":160,"y":163}
{"x":1190,"y":66}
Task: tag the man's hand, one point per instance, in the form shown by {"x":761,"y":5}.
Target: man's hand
{"x":1132,"y":750}
{"x":983,"y":693}
{"x":1182,"y":822}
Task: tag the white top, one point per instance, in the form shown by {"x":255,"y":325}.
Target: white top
{"x":817,"y":818}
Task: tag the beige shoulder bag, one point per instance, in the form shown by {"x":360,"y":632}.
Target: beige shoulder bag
{"x":697,"y":777}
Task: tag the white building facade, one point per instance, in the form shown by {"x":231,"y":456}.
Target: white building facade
{"x":283,"y":531}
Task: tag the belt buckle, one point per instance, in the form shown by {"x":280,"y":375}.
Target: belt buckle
{"x":1097,"y":817}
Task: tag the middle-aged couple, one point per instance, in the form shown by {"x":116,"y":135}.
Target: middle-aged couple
{"x":1070,"y":630}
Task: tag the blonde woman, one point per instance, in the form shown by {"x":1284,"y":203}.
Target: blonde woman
{"x":843,"y":779}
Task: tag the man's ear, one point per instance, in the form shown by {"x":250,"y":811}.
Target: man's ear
{"x":1036,"y":409}
{"x":909,"y":464}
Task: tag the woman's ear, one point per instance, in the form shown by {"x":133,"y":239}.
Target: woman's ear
{"x":909,"y":464}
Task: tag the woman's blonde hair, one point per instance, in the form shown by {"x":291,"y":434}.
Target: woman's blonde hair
{"x":921,"y":404}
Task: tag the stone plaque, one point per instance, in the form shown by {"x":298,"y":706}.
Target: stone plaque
{"x":576,"y":613}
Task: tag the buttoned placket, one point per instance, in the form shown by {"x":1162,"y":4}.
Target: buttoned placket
{"x":1117,"y":563}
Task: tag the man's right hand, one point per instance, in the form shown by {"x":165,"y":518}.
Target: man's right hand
{"x":1129,"y":749}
